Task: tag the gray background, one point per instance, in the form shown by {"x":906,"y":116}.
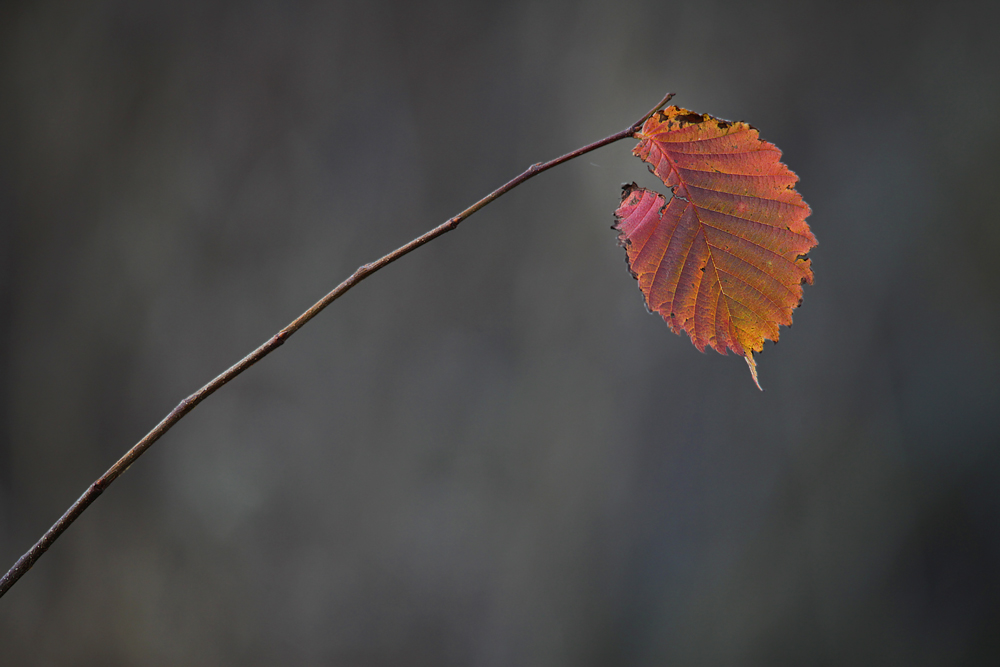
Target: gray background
{"x":489,"y":454}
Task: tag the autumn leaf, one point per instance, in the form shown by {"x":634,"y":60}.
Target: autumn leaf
{"x":725,"y":258}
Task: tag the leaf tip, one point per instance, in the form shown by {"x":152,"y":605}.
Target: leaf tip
{"x":753,"y":369}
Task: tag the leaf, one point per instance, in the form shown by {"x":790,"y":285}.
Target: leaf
{"x":725,"y":259}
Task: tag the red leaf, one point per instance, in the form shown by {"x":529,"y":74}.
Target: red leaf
{"x":723,"y":260}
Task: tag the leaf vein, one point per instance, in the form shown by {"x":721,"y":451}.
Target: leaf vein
{"x":753,"y":243}
{"x":763,"y":294}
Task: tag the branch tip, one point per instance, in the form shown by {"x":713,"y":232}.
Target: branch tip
{"x":662,"y":103}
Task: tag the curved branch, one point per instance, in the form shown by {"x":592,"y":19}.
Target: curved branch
{"x":25,"y":562}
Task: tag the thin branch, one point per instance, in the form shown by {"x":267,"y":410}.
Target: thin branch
{"x":25,"y":562}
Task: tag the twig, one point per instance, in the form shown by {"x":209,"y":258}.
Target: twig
{"x":25,"y":562}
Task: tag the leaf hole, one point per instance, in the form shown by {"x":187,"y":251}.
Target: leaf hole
{"x":691,"y":118}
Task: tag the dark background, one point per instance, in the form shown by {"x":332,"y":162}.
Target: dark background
{"x":488,"y":453}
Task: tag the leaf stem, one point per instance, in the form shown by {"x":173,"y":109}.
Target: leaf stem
{"x":25,"y":562}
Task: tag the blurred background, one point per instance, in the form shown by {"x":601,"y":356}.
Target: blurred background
{"x":489,"y":453}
